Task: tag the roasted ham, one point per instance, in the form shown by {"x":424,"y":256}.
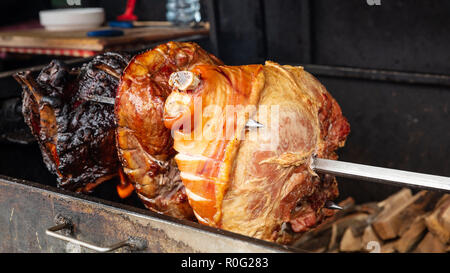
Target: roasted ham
{"x":257,"y":182}
{"x":230,"y":146}
{"x":145,"y":146}
{"x":75,"y":135}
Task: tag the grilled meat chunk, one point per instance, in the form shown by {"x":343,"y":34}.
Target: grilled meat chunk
{"x":76,"y":136}
{"x":144,"y":144}
{"x":257,"y":182}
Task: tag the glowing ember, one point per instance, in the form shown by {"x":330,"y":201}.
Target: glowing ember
{"x":124,"y":188}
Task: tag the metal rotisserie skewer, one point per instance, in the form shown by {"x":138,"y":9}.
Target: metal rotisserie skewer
{"x":353,"y":170}
{"x":381,"y":175}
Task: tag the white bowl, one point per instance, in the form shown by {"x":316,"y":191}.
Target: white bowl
{"x":72,"y":18}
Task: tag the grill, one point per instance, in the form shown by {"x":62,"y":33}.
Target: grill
{"x":38,"y":217}
{"x":399,"y":120}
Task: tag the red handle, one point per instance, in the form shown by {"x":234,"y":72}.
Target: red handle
{"x":128,"y":15}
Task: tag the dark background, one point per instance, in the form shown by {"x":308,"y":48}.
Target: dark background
{"x":394,"y":124}
{"x":406,"y":35}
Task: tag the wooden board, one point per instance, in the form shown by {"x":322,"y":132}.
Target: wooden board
{"x":41,"y":38}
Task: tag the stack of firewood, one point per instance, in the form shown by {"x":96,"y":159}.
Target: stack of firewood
{"x":404,"y":222}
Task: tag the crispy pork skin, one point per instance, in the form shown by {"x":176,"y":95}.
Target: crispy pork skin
{"x":76,"y":136}
{"x":257,"y":182}
{"x":144,"y":144}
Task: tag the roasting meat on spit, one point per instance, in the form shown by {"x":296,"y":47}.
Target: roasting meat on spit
{"x":75,"y":135}
{"x":257,"y":182}
{"x":144,"y":144}
{"x":231,"y":146}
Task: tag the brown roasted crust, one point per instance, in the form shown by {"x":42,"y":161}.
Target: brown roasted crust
{"x":76,"y":136}
{"x":144,"y":144}
{"x":244,"y":186}
{"x":290,"y":197}
{"x":205,"y":160}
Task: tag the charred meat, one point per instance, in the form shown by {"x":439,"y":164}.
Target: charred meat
{"x":76,"y":135}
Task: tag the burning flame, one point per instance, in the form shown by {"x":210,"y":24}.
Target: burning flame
{"x":124,"y":188}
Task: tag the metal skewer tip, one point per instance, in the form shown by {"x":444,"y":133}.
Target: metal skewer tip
{"x":252,"y":124}
{"x":332,"y":205}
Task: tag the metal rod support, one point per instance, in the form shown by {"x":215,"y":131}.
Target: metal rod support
{"x":381,"y":175}
{"x":53,"y":233}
